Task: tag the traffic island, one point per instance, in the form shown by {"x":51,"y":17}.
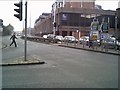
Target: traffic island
{"x":31,"y":60}
{"x":2,"y":46}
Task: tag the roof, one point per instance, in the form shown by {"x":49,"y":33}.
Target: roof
{"x":85,"y":11}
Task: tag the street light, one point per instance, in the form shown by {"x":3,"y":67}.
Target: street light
{"x":78,"y":35}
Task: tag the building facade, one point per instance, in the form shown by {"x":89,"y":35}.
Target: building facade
{"x":119,"y":4}
{"x":80,"y":4}
{"x":74,"y":18}
{"x":43,"y":25}
{"x":69,"y":21}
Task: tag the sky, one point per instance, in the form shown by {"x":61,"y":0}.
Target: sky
{"x":36,"y":8}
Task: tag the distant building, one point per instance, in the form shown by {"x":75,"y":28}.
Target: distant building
{"x":119,"y":4}
{"x":81,"y":4}
{"x":44,"y":25}
{"x":42,"y":17}
{"x":98,"y":7}
{"x":31,"y":31}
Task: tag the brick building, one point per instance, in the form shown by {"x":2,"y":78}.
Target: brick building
{"x":43,"y":24}
{"x":74,"y":18}
{"x":80,"y":4}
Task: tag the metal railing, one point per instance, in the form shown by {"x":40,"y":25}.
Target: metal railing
{"x":85,"y":45}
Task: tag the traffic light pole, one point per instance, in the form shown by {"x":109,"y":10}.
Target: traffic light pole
{"x":26,"y":31}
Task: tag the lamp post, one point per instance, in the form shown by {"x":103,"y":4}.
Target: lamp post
{"x":77,"y":33}
{"x":76,"y":37}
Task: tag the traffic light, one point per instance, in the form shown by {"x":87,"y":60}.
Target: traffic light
{"x":18,"y":10}
{"x":1,"y":22}
{"x":118,"y":12}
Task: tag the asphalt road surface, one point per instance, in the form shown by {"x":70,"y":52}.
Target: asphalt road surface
{"x":64,"y":67}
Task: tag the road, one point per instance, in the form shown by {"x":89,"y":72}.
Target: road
{"x":64,"y":68}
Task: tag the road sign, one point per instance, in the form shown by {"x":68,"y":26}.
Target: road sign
{"x":95,"y":25}
{"x":105,"y":27}
{"x":94,"y":35}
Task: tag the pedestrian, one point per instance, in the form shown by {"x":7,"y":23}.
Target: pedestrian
{"x":90,"y":44}
{"x":13,"y":37}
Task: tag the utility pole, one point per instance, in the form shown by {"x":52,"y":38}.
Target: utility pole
{"x":115,"y":26}
{"x":25,"y":31}
{"x":118,"y":24}
{"x":30,"y":23}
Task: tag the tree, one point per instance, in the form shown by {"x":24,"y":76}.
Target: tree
{"x":7,"y":30}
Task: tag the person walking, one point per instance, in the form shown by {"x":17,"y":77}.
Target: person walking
{"x":13,"y":37}
{"x":90,"y":43}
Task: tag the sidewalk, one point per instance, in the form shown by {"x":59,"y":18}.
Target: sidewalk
{"x":30,"y":60}
{"x":2,"y":45}
{"x":98,"y":49}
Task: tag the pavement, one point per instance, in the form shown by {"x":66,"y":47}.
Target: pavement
{"x":98,"y":49}
{"x":2,"y":45}
{"x":30,"y":60}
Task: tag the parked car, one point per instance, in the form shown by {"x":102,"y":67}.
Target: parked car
{"x":59,"y":38}
{"x":84,"y":39}
{"x":117,"y":45}
{"x":27,"y":35}
{"x":111,"y":43}
{"x":81,"y":40}
{"x":70,"y":39}
{"x":51,"y":36}
{"x":19,"y":34}
{"x":44,"y":36}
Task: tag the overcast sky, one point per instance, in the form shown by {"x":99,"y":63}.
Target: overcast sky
{"x":36,"y":8}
